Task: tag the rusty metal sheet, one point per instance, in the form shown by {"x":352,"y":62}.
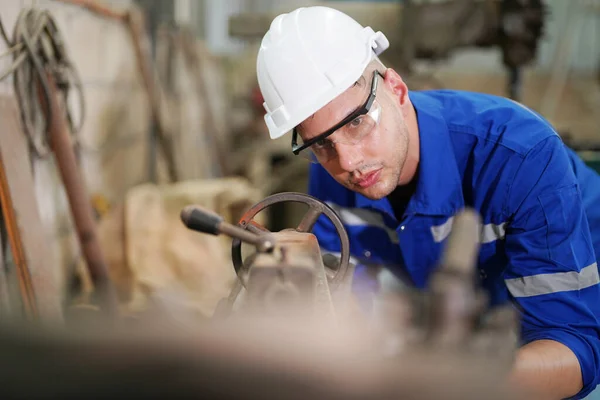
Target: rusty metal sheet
{"x":28,"y":244}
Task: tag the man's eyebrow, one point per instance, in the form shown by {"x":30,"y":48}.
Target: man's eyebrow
{"x":336,"y":124}
{"x":357,"y":83}
{"x":354,"y":111}
{"x":299,"y":127}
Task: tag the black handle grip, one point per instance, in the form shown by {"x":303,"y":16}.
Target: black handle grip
{"x":199,"y":219}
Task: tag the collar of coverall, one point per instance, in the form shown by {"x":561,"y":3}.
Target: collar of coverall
{"x":439,"y":188}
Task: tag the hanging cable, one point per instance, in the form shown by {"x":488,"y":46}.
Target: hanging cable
{"x":37,"y":42}
{"x":43,"y":78}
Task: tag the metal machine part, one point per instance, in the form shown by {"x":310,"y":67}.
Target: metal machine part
{"x":433,"y":30}
{"x":458,"y":312}
{"x":199,"y":219}
{"x":287,"y":273}
{"x":454,"y":303}
{"x":514,"y":26}
{"x":315,"y":210}
{"x":287,"y":277}
{"x":291,"y":357}
{"x":521,"y":27}
{"x":289,"y":281}
{"x":451,"y":315}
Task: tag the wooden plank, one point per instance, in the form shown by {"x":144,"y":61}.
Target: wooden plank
{"x":28,"y":243}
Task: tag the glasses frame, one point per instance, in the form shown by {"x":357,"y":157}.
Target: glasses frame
{"x":364,"y":109}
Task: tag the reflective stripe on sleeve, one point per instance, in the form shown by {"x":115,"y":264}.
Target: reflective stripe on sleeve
{"x":536,"y":285}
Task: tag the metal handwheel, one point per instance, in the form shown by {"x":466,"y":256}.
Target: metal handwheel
{"x":316,"y":208}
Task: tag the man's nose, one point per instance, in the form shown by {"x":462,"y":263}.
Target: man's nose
{"x":349,"y":156}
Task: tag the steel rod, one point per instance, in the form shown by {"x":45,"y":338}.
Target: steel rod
{"x":79,"y":201}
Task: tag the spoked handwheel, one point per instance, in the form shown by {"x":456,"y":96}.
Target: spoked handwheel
{"x":316,"y":208}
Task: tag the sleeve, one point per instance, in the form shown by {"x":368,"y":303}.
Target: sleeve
{"x":552,"y":273}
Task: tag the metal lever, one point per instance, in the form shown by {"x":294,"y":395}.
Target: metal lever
{"x":200,"y":219}
{"x":454,"y":302}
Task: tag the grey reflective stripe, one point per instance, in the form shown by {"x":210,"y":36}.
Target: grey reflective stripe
{"x":362,"y":217}
{"x":492,"y":232}
{"x":441,"y":232}
{"x":536,"y":285}
{"x":489,"y":232}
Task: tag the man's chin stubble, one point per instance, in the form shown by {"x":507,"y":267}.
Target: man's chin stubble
{"x":378,"y":193}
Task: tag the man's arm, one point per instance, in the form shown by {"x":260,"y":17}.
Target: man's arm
{"x":549,"y":369}
{"x":552,"y":276}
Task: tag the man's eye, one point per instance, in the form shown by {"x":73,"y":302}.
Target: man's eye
{"x":322,"y":144}
{"x":356,"y":122}
{"x":319,"y":143}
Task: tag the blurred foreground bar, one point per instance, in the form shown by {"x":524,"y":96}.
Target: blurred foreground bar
{"x":229,"y":360}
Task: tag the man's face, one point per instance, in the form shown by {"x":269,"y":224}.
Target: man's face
{"x":371,"y":166}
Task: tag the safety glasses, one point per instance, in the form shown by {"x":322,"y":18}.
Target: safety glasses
{"x":351,"y":130}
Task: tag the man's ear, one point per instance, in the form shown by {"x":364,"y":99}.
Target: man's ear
{"x":396,"y":85}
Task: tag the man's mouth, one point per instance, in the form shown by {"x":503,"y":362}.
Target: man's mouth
{"x":368,"y":180}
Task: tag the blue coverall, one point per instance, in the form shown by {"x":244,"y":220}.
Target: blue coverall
{"x":539,"y":204}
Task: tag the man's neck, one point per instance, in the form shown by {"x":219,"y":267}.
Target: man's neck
{"x":409,"y":170}
{"x":400,"y":197}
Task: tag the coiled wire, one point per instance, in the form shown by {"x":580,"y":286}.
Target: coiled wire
{"x":38,"y":48}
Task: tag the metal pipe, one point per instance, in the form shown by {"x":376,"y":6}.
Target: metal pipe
{"x":515,"y":83}
{"x":143,"y":50}
{"x":81,"y":209}
{"x":96,"y":8}
{"x":200,"y":219}
{"x":454,"y":302}
{"x":263,"y":243}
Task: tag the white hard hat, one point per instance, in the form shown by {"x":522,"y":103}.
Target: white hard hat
{"x":309,"y":57}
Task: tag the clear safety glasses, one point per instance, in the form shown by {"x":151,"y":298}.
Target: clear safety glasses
{"x":351,"y":130}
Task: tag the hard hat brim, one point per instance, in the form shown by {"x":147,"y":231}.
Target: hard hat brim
{"x":275,"y":132}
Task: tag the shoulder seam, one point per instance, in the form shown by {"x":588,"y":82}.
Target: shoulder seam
{"x":469,"y":130}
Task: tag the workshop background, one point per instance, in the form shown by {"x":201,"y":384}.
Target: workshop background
{"x":164,"y":112}
{"x":115,"y":115}
{"x":172,"y":114}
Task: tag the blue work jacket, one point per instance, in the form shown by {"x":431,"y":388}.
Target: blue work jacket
{"x":540,"y":210}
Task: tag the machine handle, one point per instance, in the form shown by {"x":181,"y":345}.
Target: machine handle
{"x":202,"y":220}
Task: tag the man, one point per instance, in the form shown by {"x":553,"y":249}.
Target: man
{"x":398,"y":165}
